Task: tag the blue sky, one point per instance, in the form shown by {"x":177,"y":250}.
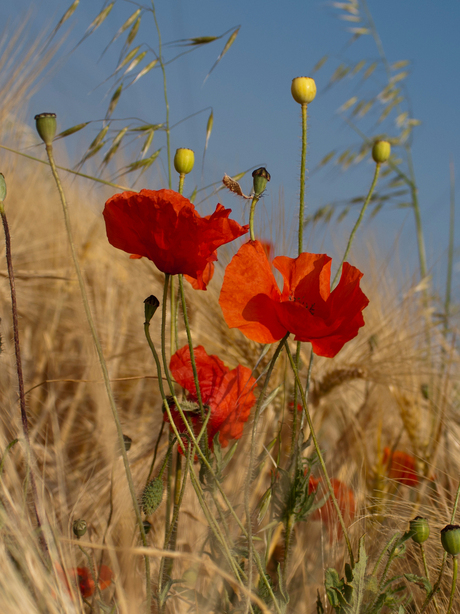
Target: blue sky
{"x":256,"y":122}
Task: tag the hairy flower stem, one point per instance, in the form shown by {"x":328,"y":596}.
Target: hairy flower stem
{"x":17,"y":351}
{"x":427,"y":574}
{"x":358,"y":222}
{"x":105,"y":373}
{"x":320,"y":458}
{"x":181,"y":183}
{"x":248,"y":483}
{"x":454,"y":582}
{"x":252,"y":212}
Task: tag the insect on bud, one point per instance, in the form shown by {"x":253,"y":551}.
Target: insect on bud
{"x":46,"y":126}
{"x":450,"y":539}
{"x":151,"y":304}
{"x":303,"y":89}
{"x":260,"y":178}
{"x":79,"y":527}
{"x":381,"y":151}
{"x":184,"y":161}
{"x":420,"y":529}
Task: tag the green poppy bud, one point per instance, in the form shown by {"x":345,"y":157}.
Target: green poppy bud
{"x":381,"y":151}
{"x":79,"y":527}
{"x":147,"y":527}
{"x":127,"y":441}
{"x":151,"y":304}
{"x":303,"y":89}
{"x":46,"y":126}
{"x":260,"y":178}
{"x":184,"y":161}
{"x":450,"y":538}
{"x":420,"y":529}
{"x":2,"y":188}
{"x":152,"y":496}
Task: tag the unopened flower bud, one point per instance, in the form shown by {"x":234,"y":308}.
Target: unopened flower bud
{"x":381,"y":151}
{"x":46,"y":126}
{"x":303,"y":89}
{"x":152,"y":496}
{"x":450,"y":538}
{"x":147,"y":527}
{"x":127,"y":441}
{"x":79,"y":527}
{"x":184,"y":161}
{"x":151,"y":304}
{"x":420,"y":529}
{"x":2,"y":188}
{"x":260,"y":178}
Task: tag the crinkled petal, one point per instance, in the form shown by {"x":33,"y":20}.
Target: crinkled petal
{"x":211,"y":371}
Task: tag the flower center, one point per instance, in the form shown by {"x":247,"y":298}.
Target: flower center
{"x":310,"y":308}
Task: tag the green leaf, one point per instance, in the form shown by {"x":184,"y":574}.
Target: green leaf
{"x":358,"y":583}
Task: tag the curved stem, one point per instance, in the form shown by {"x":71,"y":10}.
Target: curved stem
{"x":454,"y":582}
{"x":105,"y":373}
{"x":320,"y":458}
{"x":358,"y":222}
{"x":255,"y":200}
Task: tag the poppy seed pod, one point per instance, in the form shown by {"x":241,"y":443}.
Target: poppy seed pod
{"x":303,"y":89}
{"x":420,"y":529}
{"x":260,"y":178}
{"x":79,"y":527}
{"x":2,"y":188}
{"x":152,"y":496}
{"x":184,"y":160}
{"x":450,"y":539}
{"x":381,"y":151}
{"x":46,"y":126}
{"x":151,"y":304}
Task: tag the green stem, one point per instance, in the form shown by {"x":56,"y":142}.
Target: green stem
{"x":280,"y":346}
{"x":303,"y":162}
{"x":163,"y":70}
{"x":320,"y":458}
{"x":255,"y":200}
{"x":450,"y":251}
{"x":454,"y":582}
{"x":181,"y":183}
{"x":427,"y":574}
{"x":358,"y":222}
{"x":105,"y":373}
{"x":155,"y":452}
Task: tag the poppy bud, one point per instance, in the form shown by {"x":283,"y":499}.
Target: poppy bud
{"x":381,"y":151}
{"x":2,"y":188}
{"x":152,"y":496}
{"x":184,"y":161}
{"x":420,"y":529}
{"x":46,"y":126}
{"x":127,"y":441}
{"x":450,"y":538}
{"x":303,"y":89}
{"x":147,"y":527}
{"x":151,"y":304}
{"x":79,"y":527}
{"x":260,"y":178}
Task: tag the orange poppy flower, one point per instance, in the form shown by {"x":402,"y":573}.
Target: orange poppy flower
{"x":164,"y":227}
{"x":228,"y":393}
{"x":251,"y":300}
{"x":327,"y":512}
{"x":400,"y":467}
{"x":84,"y":579}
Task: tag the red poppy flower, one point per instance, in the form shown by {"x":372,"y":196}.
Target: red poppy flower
{"x":400,"y":467}
{"x":164,"y":227}
{"x":251,"y":301}
{"x":327,"y":513}
{"x":228,"y":393}
{"x":82,"y":575}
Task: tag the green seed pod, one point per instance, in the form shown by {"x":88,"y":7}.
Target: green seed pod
{"x":152,"y":496}
{"x":260,"y":178}
{"x":381,"y":151}
{"x":151,"y":304}
{"x":2,"y":188}
{"x":127,"y":441}
{"x":46,"y":126}
{"x":184,"y":161}
{"x":147,"y":527}
{"x":79,"y":527}
{"x":450,"y":538}
{"x":303,"y":89}
{"x":420,"y":529}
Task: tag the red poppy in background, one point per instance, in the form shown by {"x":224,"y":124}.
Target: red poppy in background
{"x":400,"y":467}
{"x":164,"y":227}
{"x":82,"y":575}
{"x":251,"y":300}
{"x":228,"y":393}
{"x":327,"y":513}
